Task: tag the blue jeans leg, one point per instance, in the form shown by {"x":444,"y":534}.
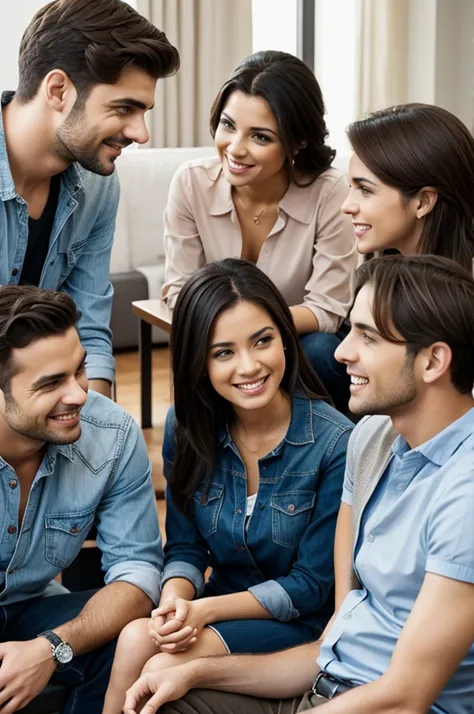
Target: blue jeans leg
{"x":319,"y":348}
{"x":87,"y":675}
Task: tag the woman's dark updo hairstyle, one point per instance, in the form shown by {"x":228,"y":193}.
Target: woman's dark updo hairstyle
{"x":295,"y":98}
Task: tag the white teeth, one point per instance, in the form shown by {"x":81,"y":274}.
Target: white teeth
{"x":67,"y":417}
{"x":359,"y":380}
{"x":235,"y":165}
{"x":362,"y":226}
{"x":253,"y":385}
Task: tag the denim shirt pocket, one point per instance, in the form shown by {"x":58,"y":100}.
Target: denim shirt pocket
{"x":291,"y":514}
{"x":207,"y":507}
{"x":65,"y":534}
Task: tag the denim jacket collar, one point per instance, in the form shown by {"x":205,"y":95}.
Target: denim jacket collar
{"x":71,"y":177}
{"x":299,"y":432}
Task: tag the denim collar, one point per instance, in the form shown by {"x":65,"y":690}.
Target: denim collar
{"x":300,"y":431}
{"x":71,"y":177}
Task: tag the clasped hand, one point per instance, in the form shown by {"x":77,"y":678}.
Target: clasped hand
{"x":175,"y":625}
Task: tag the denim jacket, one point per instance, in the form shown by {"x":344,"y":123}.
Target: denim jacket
{"x":78,"y":258}
{"x":286,"y":558}
{"x":102,"y":478}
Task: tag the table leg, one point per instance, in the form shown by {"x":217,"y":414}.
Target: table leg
{"x":144,"y":346}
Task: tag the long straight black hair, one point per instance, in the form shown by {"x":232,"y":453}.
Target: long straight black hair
{"x":199,"y":409}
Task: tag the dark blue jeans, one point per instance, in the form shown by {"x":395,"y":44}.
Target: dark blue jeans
{"x":319,"y":348}
{"x":88,"y":675}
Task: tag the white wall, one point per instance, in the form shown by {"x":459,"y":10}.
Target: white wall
{"x":274,"y":25}
{"x":14,"y":17}
{"x":441,"y":55}
{"x":336,"y":55}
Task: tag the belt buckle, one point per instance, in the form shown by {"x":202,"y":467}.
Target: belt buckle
{"x":315,"y":685}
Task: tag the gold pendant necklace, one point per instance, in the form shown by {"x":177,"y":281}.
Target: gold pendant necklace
{"x":256,"y":216}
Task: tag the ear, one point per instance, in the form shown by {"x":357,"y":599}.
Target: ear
{"x":59,"y":91}
{"x":436,"y":362}
{"x":427,"y":198}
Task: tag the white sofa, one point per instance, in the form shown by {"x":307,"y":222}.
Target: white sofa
{"x":137,"y":263}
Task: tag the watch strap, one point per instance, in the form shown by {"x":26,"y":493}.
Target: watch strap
{"x":52,"y":637}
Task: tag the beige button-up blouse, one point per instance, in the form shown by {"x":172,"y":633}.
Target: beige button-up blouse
{"x":310,"y":253}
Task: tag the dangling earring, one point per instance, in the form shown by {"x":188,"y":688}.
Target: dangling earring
{"x":292,"y":162}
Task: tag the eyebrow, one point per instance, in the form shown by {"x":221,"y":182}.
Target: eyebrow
{"x":254,"y":336}
{"x":130,"y":102}
{"x":361,"y":179}
{"x":48,"y":378}
{"x":366,"y":328}
{"x":252,"y":128}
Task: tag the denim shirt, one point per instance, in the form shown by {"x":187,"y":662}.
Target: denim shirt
{"x":102,"y":478}
{"x":78,"y":258}
{"x":286,"y":557}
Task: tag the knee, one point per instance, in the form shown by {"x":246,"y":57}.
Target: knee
{"x":133,"y":635}
{"x":159,"y":661}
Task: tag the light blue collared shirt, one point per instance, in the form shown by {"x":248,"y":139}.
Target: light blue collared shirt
{"x":103,"y":478}
{"x":420,"y":519}
{"x":78,"y":259}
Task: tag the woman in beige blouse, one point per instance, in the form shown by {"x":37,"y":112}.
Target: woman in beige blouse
{"x":271,"y":197}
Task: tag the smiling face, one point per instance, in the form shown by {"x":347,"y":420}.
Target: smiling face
{"x":47,"y":391}
{"x":381,"y":217}
{"x":383,"y":378}
{"x":111,"y":118}
{"x":247,"y":141}
{"x":246,"y":361}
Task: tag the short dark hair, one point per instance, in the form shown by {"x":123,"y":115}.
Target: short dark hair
{"x":296,"y":100}
{"x":415,"y":145}
{"x":425,"y":299}
{"x":92,"y":41}
{"x":198,"y":408}
{"x":27,"y":314}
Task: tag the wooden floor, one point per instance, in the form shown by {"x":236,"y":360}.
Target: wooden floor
{"x":128,"y":396}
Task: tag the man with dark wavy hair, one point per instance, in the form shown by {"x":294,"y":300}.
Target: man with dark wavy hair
{"x":87,"y":76}
{"x":68,"y":459}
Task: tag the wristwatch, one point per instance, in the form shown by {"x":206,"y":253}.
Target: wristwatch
{"x":62,"y":651}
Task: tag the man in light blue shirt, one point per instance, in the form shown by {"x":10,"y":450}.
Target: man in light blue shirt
{"x":68,"y":460}
{"x":87,"y":76}
{"x":401,"y":639}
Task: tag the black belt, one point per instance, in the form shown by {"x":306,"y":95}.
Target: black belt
{"x":328,"y":687}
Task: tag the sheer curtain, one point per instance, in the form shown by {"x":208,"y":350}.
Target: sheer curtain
{"x":212,"y":37}
{"x":383,"y":54}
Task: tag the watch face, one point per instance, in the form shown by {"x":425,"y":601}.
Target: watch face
{"x":63,"y":653}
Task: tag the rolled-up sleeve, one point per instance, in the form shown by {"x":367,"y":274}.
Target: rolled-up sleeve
{"x":186,"y":551}
{"x":183,"y":247}
{"x":127,"y":520}
{"x":330,"y":289}
{"x":308,"y":585}
{"x":450,"y":529}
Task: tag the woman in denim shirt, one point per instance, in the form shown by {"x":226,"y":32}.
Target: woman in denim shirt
{"x":254,"y":458}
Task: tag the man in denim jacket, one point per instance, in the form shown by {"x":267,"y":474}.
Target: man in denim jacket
{"x":87,"y":75}
{"x":67,"y":461}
